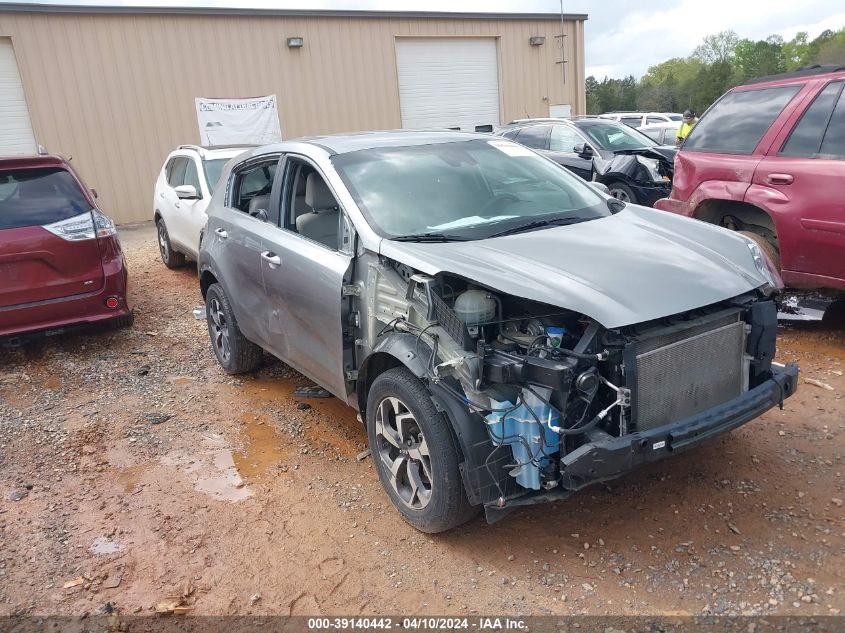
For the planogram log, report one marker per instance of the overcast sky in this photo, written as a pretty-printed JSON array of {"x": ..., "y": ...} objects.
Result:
[{"x": 623, "y": 37}]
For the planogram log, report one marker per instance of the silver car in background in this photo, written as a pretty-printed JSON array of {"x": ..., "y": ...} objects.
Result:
[{"x": 509, "y": 333}]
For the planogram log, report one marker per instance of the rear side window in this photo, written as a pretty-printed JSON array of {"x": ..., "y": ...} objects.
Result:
[
  {"x": 806, "y": 137},
  {"x": 737, "y": 121},
  {"x": 35, "y": 197},
  {"x": 833, "y": 145},
  {"x": 535, "y": 137},
  {"x": 254, "y": 181},
  {"x": 654, "y": 119},
  {"x": 633, "y": 121}
]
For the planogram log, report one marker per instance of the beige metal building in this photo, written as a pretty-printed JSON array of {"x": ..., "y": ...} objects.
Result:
[{"x": 114, "y": 87}]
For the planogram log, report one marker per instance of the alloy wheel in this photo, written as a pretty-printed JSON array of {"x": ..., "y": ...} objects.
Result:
[
  {"x": 403, "y": 451},
  {"x": 163, "y": 245},
  {"x": 219, "y": 329},
  {"x": 620, "y": 195}
]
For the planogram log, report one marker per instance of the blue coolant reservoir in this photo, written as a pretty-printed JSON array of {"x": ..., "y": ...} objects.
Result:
[{"x": 530, "y": 442}]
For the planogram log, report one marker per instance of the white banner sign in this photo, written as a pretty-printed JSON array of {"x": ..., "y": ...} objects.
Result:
[{"x": 236, "y": 121}]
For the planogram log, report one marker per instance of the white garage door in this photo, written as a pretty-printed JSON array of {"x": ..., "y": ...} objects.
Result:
[
  {"x": 16, "y": 135},
  {"x": 452, "y": 83}
]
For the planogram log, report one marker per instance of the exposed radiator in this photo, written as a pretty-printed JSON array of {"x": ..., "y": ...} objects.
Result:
[{"x": 687, "y": 371}]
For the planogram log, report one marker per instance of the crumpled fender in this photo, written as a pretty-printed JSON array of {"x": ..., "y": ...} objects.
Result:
[
  {"x": 482, "y": 482},
  {"x": 625, "y": 165}
]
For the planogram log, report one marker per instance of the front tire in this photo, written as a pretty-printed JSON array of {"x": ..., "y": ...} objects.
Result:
[
  {"x": 415, "y": 454},
  {"x": 235, "y": 353},
  {"x": 623, "y": 192},
  {"x": 171, "y": 258}
]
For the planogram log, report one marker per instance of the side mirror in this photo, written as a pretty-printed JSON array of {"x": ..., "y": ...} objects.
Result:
[
  {"x": 583, "y": 150},
  {"x": 615, "y": 205},
  {"x": 186, "y": 192},
  {"x": 600, "y": 187},
  {"x": 260, "y": 214}
]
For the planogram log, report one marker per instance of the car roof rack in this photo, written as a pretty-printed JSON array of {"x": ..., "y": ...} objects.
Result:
[
  {"x": 806, "y": 71},
  {"x": 539, "y": 118},
  {"x": 208, "y": 148}
]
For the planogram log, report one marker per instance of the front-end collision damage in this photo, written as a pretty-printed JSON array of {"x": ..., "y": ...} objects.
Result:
[
  {"x": 543, "y": 401},
  {"x": 648, "y": 171}
]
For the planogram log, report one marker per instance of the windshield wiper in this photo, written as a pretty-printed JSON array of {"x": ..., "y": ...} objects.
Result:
[
  {"x": 536, "y": 224},
  {"x": 429, "y": 237}
]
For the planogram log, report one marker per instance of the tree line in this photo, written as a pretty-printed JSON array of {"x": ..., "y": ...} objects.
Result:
[{"x": 720, "y": 62}]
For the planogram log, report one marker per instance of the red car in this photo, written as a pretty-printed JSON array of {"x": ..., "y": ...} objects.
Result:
[
  {"x": 768, "y": 159},
  {"x": 60, "y": 260}
]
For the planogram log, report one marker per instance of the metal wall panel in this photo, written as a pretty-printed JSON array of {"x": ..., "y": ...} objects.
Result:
[
  {"x": 16, "y": 135},
  {"x": 115, "y": 90}
]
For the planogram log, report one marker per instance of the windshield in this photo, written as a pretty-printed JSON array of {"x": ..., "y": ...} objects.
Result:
[
  {"x": 654, "y": 133},
  {"x": 213, "y": 169},
  {"x": 614, "y": 137},
  {"x": 471, "y": 189}
]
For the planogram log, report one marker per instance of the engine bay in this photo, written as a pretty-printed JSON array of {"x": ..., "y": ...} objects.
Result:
[{"x": 546, "y": 382}]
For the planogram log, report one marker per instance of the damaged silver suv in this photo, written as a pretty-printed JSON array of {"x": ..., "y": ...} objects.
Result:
[{"x": 509, "y": 333}]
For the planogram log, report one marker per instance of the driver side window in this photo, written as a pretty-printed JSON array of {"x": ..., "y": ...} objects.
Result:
[
  {"x": 251, "y": 187},
  {"x": 310, "y": 206},
  {"x": 564, "y": 139}
]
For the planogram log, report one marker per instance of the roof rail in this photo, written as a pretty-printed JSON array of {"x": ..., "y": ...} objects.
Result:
[
  {"x": 806, "y": 71},
  {"x": 540, "y": 118}
]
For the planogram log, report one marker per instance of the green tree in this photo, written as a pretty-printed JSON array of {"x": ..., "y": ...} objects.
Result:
[
  {"x": 833, "y": 51},
  {"x": 716, "y": 48},
  {"x": 796, "y": 51},
  {"x": 592, "y": 90},
  {"x": 760, "y": 58},
  {"x": 720, "y": 62}
]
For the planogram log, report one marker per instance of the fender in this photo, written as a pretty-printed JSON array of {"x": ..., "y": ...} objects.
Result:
[
  {"x": 485, "y": 481},
  {"x": 727, "y": 190},
  {"x": 787, "y": 226}
]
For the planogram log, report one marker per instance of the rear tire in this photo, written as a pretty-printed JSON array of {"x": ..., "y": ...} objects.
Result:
[
  {"x": 171, "y": 258},
  {"x": 415, "y": 453},
  {"x": 235, "y": 353},
  {"x": 765, "y": 245},
  {"x": 623, "y": 192}
]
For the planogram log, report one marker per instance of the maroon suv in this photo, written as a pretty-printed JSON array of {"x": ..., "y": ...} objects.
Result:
[
  {"x": 768, "y": 159},
  {"x": 60, "y": 260}
]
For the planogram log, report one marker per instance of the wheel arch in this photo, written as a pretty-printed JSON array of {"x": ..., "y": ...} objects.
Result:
[
  {"x": 207, "y": 278},
  {"x": 739, "y": 216},
  {"x": 398, "y": 350},
  {"x": 467, "y": 427}
]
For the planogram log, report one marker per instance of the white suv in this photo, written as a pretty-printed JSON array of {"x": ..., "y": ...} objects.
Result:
[
  {"x": 182, "y": 193},
  {"x": 640, "y": 119}
]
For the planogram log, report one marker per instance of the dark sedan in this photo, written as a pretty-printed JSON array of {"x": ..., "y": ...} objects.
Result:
[{"x": 634, "y": 167}]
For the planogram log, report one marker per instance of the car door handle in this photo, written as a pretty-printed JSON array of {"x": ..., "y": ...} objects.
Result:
[
  {"x": 271, "y": 258},
  {"x": 161, "y": 194},
  {"x": 779, "y": 179},
  {"x": 221, "y": 233}
]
